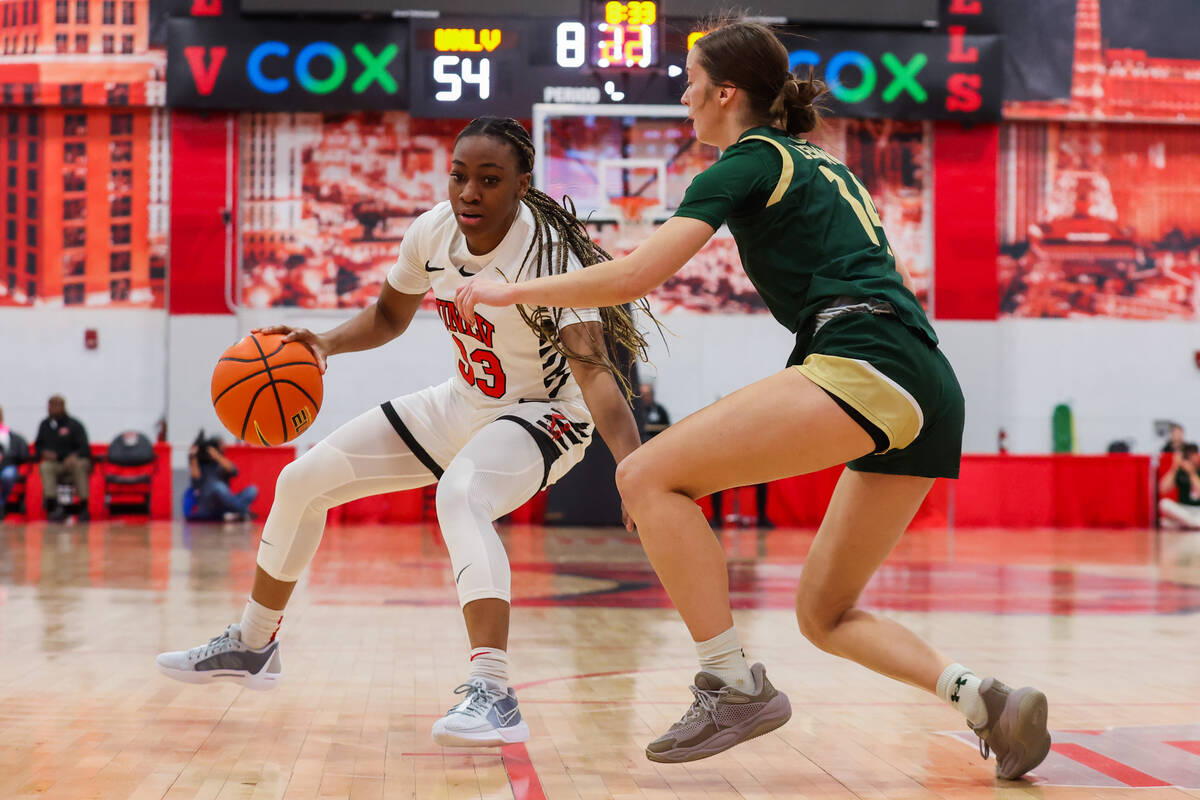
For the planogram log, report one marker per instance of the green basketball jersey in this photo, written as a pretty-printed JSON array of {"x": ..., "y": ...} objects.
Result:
[{"x": 806, "y": 229}]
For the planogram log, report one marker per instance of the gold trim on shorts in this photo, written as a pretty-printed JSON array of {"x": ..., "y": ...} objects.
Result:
[{"x": 884, "y": 403}]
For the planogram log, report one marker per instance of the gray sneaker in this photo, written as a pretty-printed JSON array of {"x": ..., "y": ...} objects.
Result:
[
  {"x": 1015, "y": 729},
  {"x": 224, "y": 657},
  {"x": 486, "y": 717},
  {"x": 720, "y": 717}
]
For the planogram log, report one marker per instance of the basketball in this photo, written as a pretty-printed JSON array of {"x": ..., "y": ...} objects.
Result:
[{"x": 267, "y": 391}]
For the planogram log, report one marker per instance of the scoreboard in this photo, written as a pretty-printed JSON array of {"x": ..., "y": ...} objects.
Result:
[
  {"x": 614, "y": 53},
  {"x": 868, "y": 13},
  {"x": 608, "y": 52}
]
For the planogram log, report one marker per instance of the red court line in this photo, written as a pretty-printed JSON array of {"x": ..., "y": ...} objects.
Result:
[
  {"x": 522, "y": 777},
  {"x": 519, "y": 686},
  {"x": 1191, "y": 747},
  {"x": 1113, "y": 769},
  {"x": 454, "y": 754}
]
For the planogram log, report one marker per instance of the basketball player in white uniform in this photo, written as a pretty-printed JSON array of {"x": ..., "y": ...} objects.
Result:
[{"x": 518, "y": 413}]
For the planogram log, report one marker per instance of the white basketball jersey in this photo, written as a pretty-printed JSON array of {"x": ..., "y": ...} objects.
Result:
[{"x": 500, "y": 360}]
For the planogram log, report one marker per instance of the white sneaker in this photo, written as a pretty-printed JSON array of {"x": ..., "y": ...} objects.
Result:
[
  {"x": 224, "y": 657},
  {"x": 487, "y": 717}
]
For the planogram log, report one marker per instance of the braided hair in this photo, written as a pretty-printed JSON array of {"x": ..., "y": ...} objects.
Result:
[{"x": 559, "y": 233}]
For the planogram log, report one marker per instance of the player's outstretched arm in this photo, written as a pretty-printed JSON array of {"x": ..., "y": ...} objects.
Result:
[
  {"x": 610, "y": 411},
  {"x": 372, "y": 327},
  {"x": 608, "y": 283}
]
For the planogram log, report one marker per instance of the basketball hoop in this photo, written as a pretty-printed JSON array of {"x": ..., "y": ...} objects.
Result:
[
  {"x": 635, "y": 223},
  {"x": 633, "y": 207}
]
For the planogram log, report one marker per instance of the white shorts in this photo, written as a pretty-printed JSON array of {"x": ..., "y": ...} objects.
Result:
[{"x": 436, "y": 423}]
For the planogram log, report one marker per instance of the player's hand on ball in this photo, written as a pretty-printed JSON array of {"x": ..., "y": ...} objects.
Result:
[
  {"x": 481, "y": 292},
  {"x": 313, "y": 341}
]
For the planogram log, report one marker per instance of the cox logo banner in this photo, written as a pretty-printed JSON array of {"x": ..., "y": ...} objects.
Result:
[
  {"x": 945, "y": 75},
  {"x": 287, "y": 66}
]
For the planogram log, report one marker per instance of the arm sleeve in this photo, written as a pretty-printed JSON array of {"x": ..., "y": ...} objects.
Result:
[
  {"x": 732, "y": 184},
  {"x": 408, "y": 274}
]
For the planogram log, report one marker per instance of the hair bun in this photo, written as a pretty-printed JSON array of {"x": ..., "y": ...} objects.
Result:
[{"x": 791, "y": 92}]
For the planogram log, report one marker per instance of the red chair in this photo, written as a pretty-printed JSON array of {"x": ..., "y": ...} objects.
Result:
[
  {"x": 128, "y": 472},
  {"x": 15, "y": 502}
]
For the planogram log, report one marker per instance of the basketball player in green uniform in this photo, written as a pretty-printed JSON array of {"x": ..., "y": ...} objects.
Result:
[{"x": 866, "y": 386}]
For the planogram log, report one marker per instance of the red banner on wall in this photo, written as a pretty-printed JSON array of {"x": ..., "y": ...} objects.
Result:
[
  {"x": 964, "y": 163},
  {"x": 202, "y": 233}
]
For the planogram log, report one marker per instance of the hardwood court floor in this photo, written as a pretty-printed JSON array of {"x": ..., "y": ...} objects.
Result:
[{"x": 1106, "y": 623}]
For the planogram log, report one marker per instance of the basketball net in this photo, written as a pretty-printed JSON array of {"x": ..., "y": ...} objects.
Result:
[{"x": 635, "y": 221}]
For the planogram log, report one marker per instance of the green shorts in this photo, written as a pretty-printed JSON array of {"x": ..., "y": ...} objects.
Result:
[{"x": 898, "y": 386}]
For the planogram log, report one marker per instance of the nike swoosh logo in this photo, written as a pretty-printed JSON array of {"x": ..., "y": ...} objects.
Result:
[
  {"x": 432, "y": 269},
  {"x": 505, "y": 717},
  {"x": 466, "y": 274},
  {"x": 264, "y": 541},
  {"x": 459, "y": 575}
]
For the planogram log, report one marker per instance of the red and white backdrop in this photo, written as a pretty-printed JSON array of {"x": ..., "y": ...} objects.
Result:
[
  {"x": 325, "y": 201},
  {"x": 1092, "y": 211},
  {"x": 85, "y": 156},
  {"x": 1099, "y": 220}
]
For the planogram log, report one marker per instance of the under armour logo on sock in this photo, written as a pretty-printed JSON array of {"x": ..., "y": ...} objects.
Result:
[{"x": 958, "y": 684}]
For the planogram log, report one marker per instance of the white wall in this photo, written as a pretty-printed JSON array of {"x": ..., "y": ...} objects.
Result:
[
  {"x": 118, "y": 386},
  {"x": 354, "y": 381},
  {"x": 1118, "y": 376}
]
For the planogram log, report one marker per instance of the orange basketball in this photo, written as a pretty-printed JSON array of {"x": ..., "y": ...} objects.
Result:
[{"x": 265, "y": 391}]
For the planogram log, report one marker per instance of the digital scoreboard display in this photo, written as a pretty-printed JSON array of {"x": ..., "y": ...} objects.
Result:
[
  {"x": 602, "y": 52},
  {"x": 624, "y": 34},
  {"x": 864, "y": 13},
  {"x": 614, "y": 53}
]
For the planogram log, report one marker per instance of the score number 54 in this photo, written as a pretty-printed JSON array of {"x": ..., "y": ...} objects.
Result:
[{"x": 455, "y": 71}]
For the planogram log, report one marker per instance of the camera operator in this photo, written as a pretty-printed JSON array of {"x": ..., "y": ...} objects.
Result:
[{"x": 211, "y": 472}]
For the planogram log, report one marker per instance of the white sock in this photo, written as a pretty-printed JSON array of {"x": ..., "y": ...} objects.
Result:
[
  {"x": 259, "y": 624},
  {"x": 959, "y": 687},
  {"x": 491, "y": 665},
  {"x": 722, "y": 656}
]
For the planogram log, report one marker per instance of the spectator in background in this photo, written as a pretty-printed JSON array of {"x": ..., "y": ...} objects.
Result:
[
  {"x": 1174, "y": 444},
  {"x": 211, "y": 473},
  {"x": 1184, "y": 478},
  {"x": 62, "y": 449},
  {"x": 654, "y": 417},
  {"x": 14, "y": 451}
]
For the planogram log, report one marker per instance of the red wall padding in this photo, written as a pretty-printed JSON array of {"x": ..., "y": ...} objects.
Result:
[
  {"x": 1002, "y": 491},
  {"x": 160, "y": 486},
  {"x": 199, "y": 155},
  {"x": 965, "y": 237},
  {"x": 1009, "y": 491},
  {"x": 259, "y": 466}
]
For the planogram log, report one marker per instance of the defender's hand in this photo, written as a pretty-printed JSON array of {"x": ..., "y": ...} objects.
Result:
[{"x": 481, "y": 292}]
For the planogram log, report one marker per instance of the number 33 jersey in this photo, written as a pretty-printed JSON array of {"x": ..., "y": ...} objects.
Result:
[{"x": 499, "y": 359}]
